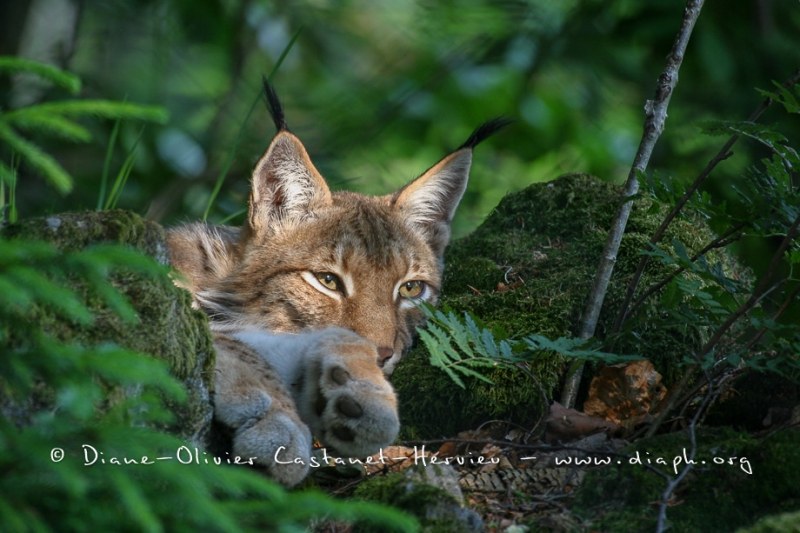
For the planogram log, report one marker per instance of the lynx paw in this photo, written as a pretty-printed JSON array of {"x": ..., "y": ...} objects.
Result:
[
  {"x": 277, "y": 442},
  {"x": 347, "y": 401}
]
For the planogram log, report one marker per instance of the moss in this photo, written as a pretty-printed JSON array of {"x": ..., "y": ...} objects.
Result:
[
  {"x": 437, "y": 510},
  {"x": 527, "y": 269},
  {"x": 781, "y": 523},
  {"x": 167, "y": 327},
  {"x": 711, "y": 498}
]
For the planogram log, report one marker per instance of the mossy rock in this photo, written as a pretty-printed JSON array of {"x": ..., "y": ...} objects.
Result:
[
  {"x": 528, "y": 269},
  {"x": 712, "y": 497},
  {"x": 430, "y": 493},
  {"x": 168, "y": 328}
]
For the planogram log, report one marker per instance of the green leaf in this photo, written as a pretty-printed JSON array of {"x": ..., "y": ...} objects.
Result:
[
  {"x": 123, "y": 174},
  {"x": 783, "y": 96},
  {"x": 134, "y": 501},
  {"x": 31, "y": 119}
]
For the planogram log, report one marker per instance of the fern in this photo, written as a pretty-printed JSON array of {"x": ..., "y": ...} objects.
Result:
[
  {"x": 575, "y": 348},
  {"x": 461, "y": 347}
]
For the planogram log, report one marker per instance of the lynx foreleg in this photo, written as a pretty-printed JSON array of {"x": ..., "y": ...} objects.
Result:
[{"x": 250, "y": 398}]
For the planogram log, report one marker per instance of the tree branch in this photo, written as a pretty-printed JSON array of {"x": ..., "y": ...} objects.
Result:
[
  {"x": 723, "y": 154},
  {"x": 655, "y": 117}
]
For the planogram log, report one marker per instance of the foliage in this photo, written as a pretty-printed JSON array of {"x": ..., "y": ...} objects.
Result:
[
  {"x": 58, "y": 397},
  {"x": 747, "y": 479},
  {"x": 475, "y": 347},
  {"x": 54, "y": 119},
  {"x": 710, "y": 293},
  {"x": 460, "y": 346}
]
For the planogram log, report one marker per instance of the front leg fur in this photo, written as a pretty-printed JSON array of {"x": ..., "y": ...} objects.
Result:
[
  {"x": 340, "y": 391},
  {"x": 250, "y": 398}
]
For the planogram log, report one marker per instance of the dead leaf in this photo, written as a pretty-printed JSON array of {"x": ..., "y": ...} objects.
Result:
[
  {"x": 626, "y": 393},
  {"x": 565, "y": 424}
]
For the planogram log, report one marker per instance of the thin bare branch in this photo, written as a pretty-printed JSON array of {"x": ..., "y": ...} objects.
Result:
[
  {"x": 672, "y": 484},
  {"x": 655, "y": 117},
  {"x": 724, "y": 153}
]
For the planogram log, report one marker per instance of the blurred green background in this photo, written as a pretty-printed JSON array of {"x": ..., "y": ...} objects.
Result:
[{"x": 380, "y": 90}]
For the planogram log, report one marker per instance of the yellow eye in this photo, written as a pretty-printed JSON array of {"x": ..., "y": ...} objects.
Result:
[
  {"x": 329, "y": 281},
  {"x": 412, "y": 289}
]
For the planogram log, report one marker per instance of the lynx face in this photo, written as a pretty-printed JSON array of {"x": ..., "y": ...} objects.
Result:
[
  {"x": 309, "y": 258},
  {"x": 355, "y": 265}
]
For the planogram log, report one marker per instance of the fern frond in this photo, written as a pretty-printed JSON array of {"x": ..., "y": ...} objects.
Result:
[
  {"x": 460, "y": 346},
  {"x": 65, "y": 80},
  {"x": 438, "y": 358},
  {"x": 36, "y": 158},
  {"x": 575, "y": 348}
]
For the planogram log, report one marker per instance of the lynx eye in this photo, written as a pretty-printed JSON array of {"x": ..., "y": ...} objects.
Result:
[
  {"x": 412, "y": 289},
  {"x": 329, "y": 281}
]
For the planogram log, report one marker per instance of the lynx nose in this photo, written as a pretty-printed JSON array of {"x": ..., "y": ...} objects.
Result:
[{"x": 384, "y": 354}]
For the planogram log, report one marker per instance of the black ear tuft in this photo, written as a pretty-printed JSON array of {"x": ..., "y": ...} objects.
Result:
[
  {"x": 485, "y": 130},
  {"x": 274, "y": 105}
]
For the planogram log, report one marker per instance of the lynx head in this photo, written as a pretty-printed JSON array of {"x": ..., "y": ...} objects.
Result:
[{"x": 308, "y": 258}]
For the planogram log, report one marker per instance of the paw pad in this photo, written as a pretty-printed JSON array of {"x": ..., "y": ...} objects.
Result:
[
  {"x": 349, "y": 407},
  {"x": 339, "y": 375}
]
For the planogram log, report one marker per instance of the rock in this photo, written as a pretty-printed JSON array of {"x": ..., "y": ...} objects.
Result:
[
  {"x": 527, "y": 269},
  {"x": 429, "y": 492},
  {"x": 168, "y": 328}
]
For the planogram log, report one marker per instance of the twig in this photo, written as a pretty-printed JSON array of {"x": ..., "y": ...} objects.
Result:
[
  {"x": 655, "y": 117},
  {"x": 723, "y": 154},
  {"x": 723, "y": 240},
  {"x": 673, "y": 483}
]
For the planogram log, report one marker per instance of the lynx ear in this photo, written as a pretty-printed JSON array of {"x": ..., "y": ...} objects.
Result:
[
  {"x": 285, "y": 184},
  {"x": 429, "y": 202}
]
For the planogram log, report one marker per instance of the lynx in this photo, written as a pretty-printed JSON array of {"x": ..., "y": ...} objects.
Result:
[{"x": 315, "y": 299}]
